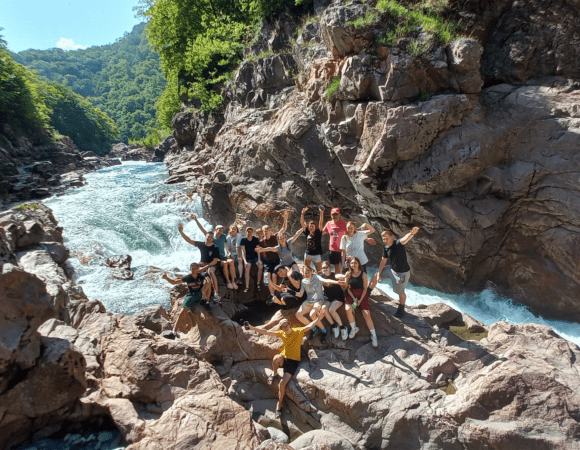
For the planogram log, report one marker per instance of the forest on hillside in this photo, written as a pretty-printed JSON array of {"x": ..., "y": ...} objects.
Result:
[{"x": 122, "y": 79}]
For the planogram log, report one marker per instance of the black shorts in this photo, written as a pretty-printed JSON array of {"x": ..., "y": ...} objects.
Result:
[
  {"x": 291, "y": 300},
  {"x": 290, "y": 366},
  {"x": 270, "y": 265},
  {"x": 335, "y": 257}
]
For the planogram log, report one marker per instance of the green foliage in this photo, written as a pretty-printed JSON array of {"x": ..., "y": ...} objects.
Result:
[
  {"x": 201, "y": 42},
  {"x": 168, "y": 104},
  {"x": 467, "y": 335},
  {"x": 333, "y": 88},
  {"x": 2, "y": 40},
  {"x": 416, "y": 48},
  {"x": 20, "y": 102},
  {"x": 370, "y": 18},
  {"x": 123, "y": 79},
  {"x": 421, "y": 16},
  {"x": 152, "y": 139},
  {"x": 26, "y": 206},
  {"x": 75, "y": 117},
  {"x": 449, "y": 389},
  {"x": 424, "y": 96}
]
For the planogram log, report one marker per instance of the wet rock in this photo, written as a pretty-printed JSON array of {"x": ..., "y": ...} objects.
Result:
[{"x": 121, "y": 267}]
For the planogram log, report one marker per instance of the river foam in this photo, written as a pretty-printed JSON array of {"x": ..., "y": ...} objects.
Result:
[{"x": 128, "y": 209}]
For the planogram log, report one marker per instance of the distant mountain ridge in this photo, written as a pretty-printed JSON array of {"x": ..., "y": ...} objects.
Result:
[{"x": 122, "y": 79}]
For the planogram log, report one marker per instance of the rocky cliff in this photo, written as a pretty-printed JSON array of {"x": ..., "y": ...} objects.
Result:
[
  {"x": 65, "y": 360},
  {"x": 475, "y": 141}
]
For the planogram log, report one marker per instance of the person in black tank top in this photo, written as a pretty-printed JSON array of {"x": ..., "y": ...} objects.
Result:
[
  {"x": 357, "y": 296},
  {"x": 334, "y": 293}
]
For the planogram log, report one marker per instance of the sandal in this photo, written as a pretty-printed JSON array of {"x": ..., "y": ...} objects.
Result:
[
  {"x": 278, "y": 413},
  {"x": 270, "y": 379},
  {"x": 246, "y": 290}
]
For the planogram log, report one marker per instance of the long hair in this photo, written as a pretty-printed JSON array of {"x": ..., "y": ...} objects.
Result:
[
  {"x": 349, "y": 273},
  {"x": 349, "y": 223}
]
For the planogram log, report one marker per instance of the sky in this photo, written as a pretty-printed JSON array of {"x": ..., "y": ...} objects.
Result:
[{"x": 66, "y": 24}]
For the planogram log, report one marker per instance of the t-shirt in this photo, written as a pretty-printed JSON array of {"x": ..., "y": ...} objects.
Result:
[
  {"x": 291, "y": 343},
  {"x": 334, "y": 291},
  {"x": 313, "y": 242},
  {"x": 298, "y": 277},
  {"x": 313, "y": 288},
  {"x": 355, "y": 246},
  {"x": 220, "y": 243},
  {"x": 233, "y": 242},
  {"x": 336, "y": 231},
  {"x": 272, "y": 241},
  {"x": 250, "y": 247},
  {"x": 398, "y": 256},
  {"x": 285, "y": 254},
  {"x": 208, "y": 252},
  {"x": 194, "y": 284}
]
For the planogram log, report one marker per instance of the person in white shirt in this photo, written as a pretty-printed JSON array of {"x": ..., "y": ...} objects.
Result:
[{"x": 353, "y": 243}]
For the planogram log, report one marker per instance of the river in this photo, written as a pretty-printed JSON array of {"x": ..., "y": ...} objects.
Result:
[{"x": 128, "y": 209}]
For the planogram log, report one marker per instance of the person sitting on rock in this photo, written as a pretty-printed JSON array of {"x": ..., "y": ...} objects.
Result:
[
  {"x": 289, "y": 357},
  {"x": 357, "y": 297},
  {"x": 219, "y": 240},
  {"x": 250, "y": 256},
  {"x": 398, "y": 269},
  {"x": 284, "y": 249},
  {"x": 353, "y": 243},
  {"x": 291, "y": 293},
  {"x": 313, "y": 233},
  {"x": 209, "y": 256},
  {"x": 271, "y": 259},
  {"x": 315, "y": 306},
  {"x": 233, "y": 240},
  {"x": 199, "y": 290},
  {"x": 336, "y": 229},
  {"x": 334, "y": 292}
]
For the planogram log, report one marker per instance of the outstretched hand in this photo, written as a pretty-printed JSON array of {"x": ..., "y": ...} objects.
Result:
[
  {"x": 371, "y": 241},
  {"x": 304, "y": 209},
  {"x": 415, "y": 230},
  {"x": 285, "y": 214},
  {"x": 180, "y": 226},
  {"x": 194, "y": 216},
  {"x": 164, "y": 276}
]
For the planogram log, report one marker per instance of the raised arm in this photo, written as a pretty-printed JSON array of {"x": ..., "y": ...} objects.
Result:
[
  {"x": 321, "y": 220},
  {"x": 184, "y": 236},
  {"x": 260, "y": 331},
  {"x": 367, "y": 228},
  {"x": 409, "y": 235},
  {"x": 200, "y": 226},
  {"x": 298, "y": 233},
  {"x": 302, "y": 221},
  {"x": 285, "y": 215},
  {"x": 171, "y": 280},
  {"x": 295, "y": 283},
  {"x": 381, "y": 267}
]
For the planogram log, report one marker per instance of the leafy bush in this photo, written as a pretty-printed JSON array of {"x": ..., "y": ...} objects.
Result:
[
  {"x": 152, "y": 139},
  {"x": 421, "y": 16},
  {"x": 416, "y": 48},
  {"x": 333, "y": 88}
]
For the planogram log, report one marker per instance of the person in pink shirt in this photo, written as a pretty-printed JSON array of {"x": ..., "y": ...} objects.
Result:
[{"x": 336, "y": 229}]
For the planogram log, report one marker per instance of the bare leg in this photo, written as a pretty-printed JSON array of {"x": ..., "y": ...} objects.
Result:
[
  {"x": 213, "y": 279},
  {"x": 349, "y": 313},
  {"x": 307, "y": 262},
  {"x": 302, "y": 311},
  {"x": 282, "y": 390},
  {"x": 337, "y": 268},
  {"x": 260, "y": 272},
  {"x": 402, "y": 298},
  {"x": 271, "y": 278},
  {"x": 277, "y": 363},
  {"x": 226, "y": 272},
  {"x": 318, "y": 266},
  {"x": 240, "y": 266},
  {"x": 248, "y": 268},
  {"x": 368, "y": 319},
  {"x": 374, "y": 281},
  {"x": 333, "y": 311}
]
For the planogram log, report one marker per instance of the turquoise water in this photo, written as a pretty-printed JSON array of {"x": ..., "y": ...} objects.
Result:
[{"x": 128, "y": 209}]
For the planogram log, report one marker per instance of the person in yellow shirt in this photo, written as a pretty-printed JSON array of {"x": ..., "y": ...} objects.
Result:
[{"x": 289, "y": 357}]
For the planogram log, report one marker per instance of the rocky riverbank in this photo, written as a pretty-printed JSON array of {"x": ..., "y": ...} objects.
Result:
[
  {"x": 64, "y": 359},
  {"x": 475, "y": 141}
]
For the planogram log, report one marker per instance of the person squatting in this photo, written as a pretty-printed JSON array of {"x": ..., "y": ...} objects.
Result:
[{"x": 317, "y": 291}]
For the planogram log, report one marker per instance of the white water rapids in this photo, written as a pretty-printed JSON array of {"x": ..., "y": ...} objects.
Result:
[{"x": 128, "y": 209}]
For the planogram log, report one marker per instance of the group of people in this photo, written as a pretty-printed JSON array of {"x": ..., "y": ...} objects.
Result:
[{"x": 312, "y": 287}]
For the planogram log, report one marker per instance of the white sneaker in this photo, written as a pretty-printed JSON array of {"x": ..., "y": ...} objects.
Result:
[
  {"x": 216, "y": 297},
  {"x": 344, "y": 333},
  {"x": 336, "y": 331},
  {"x": 374, "y": 340},
  {"x": 353, "y": 332}
]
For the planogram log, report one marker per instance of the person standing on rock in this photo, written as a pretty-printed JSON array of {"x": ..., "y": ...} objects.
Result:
[
  {"x": 315, "y": 306},
  {"x": 219, "y": 240},
  {"x": 336, "y": 229},
  {"x": 271, "y": 259},
  {"x": 289, "y": 357},
  {"x": 250, "y": 256},
  {"x": 233, "y": 240},
  {"x": 199, "y": 290},
  {"x": 284, "y": 249},
  {"x": 334, "y": 293},
  {"x": 397, "y": 269},
  {"x": 357, "y": 297},
  {"x": 353, "y": 243},
  {"x": 313, "y": 234},
  {"x": 209, "y": 256}
]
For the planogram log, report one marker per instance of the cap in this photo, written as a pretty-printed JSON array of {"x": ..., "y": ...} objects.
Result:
[
  {"x": 218, "y": 227},
  {"x": 335, "y": 211}
]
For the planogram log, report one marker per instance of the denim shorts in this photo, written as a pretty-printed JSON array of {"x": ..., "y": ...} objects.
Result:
[
  {"x": 252, "y": 260},
  {"x": 313, "y": 258}
]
